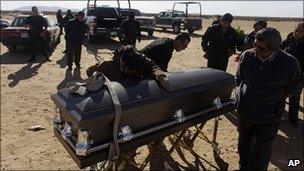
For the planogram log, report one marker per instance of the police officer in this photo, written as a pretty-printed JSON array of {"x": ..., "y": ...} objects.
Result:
[
  {"x": 75, "y": 33},
  {"x": 131, "y": 30},
  {"x": 69, "y": 16},
  {"x": 257, "y": 26},
  {"x": 59, "y": 19},
  {"x": 160, "y": 51},
  {"x": 219, "y": 43},
  {"x": 294, "y": 45},
  {"x": 37, "y": 30}
]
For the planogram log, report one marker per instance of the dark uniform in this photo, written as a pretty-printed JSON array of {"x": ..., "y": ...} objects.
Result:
[
  {"x": 263, "y": 86},
  {"x": 112, "y": 69},
  {"x": 69, "y": 16},
  {"x": 131, "y": 31},
  {"x": 219, "y": 46},
  {"x": 160, "y": 51},
  {"x": 295, "y": 48},
  {"x": 59, "y": 20},
  {"x": 36, "y": 24},
  {"x": 75, "y": 33}
]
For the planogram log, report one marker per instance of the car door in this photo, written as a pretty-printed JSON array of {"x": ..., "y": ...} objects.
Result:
[
  {"x": 168, "y": 20},
  {"x": 160, "y": 19}
]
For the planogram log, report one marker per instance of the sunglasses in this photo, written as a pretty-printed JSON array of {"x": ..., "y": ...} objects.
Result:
[{"x": 260, "y": 47}]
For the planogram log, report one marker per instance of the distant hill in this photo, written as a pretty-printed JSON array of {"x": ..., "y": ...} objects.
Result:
[{"x": 44, "y": 8}]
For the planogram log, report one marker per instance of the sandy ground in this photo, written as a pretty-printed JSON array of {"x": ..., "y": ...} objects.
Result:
[{"x": 25, "y": 101}]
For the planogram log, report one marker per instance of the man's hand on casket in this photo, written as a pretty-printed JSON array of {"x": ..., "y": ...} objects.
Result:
[{"x": 164, "y": 81}]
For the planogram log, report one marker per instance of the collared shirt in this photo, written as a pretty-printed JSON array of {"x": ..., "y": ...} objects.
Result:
[
  {"x": 160, "y": 51},
  {"x": 270, "y": 57},
  {"x": 264, "y": 86}
]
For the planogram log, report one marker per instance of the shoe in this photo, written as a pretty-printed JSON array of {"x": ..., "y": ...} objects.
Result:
[{"x": 32, "y": 59}]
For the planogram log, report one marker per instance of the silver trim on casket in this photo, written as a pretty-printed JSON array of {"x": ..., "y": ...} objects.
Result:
[{"x": 87, "y": 149}]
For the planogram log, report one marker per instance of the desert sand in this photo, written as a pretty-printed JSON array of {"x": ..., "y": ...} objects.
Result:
[{"x": 25, "y": 101}]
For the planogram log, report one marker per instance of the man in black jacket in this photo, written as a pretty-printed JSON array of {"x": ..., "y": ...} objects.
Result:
[
  {"x": 219, "y": 43},
  {"x": 37, "y": 32},
  {"x": 59, "y": 20},
  {"x": 294, "y": 45},
  {"x": 266, "y": 75},
  {"x": 131, "y": 30},
  {"x": 75, "y": 33},
  {"x": 160, "y": 51},
  {"x": 69, "y": 16}
]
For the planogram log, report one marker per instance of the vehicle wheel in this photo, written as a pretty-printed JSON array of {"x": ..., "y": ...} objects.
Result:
[
  {"x": 190, "y": 30},
  {"x": 176, "y": 28},
  {"x": 150, "y": 33},
  {"x": 12, "y": 48}
]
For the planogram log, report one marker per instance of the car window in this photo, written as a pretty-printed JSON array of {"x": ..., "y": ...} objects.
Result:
[
  {"x": 19, "y": 22},
  {"x": 162, "y": 14},
  {"x": 167, "y": 14},
  {"x": 106, "y": 12}
]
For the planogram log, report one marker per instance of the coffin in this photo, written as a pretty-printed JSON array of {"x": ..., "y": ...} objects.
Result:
[{"x": 84, "y": 124}]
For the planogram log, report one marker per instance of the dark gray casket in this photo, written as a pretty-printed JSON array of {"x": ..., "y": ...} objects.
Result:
[{"x": 84, "y": 124}]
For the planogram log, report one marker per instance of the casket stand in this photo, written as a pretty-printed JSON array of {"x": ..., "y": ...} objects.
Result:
[{"x": 149, "y": 112}]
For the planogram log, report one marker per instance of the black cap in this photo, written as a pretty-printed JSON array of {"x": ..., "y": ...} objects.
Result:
[{"x": 227, "y": 17}]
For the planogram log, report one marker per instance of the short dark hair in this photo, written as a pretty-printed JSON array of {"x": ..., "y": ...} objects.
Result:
[
  {"x": 271, "y": 37},
  {"x": 227, "y": 17},
  {"x": 183, "y": 37},
  {"x": 132, "y": 58},
  {"x": 261, "y": 23}
]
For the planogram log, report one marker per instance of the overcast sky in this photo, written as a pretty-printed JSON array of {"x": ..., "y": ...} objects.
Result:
[{"x": 243, "y": 8}]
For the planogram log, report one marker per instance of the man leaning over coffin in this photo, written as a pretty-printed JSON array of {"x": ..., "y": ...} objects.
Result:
[{"x": 128, "y": 63}]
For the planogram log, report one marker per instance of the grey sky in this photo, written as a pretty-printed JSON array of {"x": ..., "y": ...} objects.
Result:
[{"x": 243, "y": 8}]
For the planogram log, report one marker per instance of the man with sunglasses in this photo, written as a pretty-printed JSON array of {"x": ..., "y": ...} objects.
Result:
[
  {"x": 294, "y": 45},
  {"x": 219, "y": 43},
  {"x": 266, "y": 75}
]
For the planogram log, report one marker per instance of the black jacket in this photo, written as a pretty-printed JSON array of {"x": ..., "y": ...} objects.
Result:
[
  {"x": 75, "y": 31},
  {"x": 36, "y": 23},
  {"x": 160, "y": 51},
  {"x": 131, "y": 28},
  {"x": 67, "y": 18},
  {"x": 217, "y": 44},
  {"x": 59, "y": 18},
  {"x": 264, "y": 86},
  {"x": 295, "y": 48}
]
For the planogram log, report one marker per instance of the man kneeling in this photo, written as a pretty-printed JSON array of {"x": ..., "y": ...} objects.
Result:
[{"x": 129, "y": 63}]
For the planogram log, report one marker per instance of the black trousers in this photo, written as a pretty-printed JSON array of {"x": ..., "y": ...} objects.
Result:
[
  {"x": 74, "y": 52},
  {"x": 36, "y": 42},
  {"x": 255, "y": 144},
  {"x": 214, "y": 62},
  {"x": 294, "y": 106}
]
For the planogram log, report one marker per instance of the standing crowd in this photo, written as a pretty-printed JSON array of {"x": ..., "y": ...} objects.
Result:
[{"x": 270, "y": 70}]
